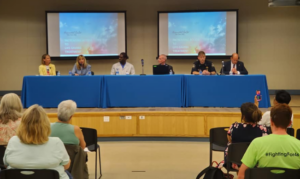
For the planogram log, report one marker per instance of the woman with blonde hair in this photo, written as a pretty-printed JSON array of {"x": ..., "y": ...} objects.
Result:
[
  {"x": 10, "y": 116},
  {"x": 32, "y": 148},
  {"x": 46, "y": 68},
  {"x": 81, "y": 67}
]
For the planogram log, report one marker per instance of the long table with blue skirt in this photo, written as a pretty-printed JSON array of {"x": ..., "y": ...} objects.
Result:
[
  {"x": 49, "y": 91},
  {"x": 145, "y": 91},
  {"x": 225, "y": 90}
]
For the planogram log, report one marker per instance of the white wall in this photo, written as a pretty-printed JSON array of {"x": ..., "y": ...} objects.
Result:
[{"x": 269, "y": 38}]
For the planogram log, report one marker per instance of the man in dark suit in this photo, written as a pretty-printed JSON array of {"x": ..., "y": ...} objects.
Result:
[
  {"x": 234, "y": 66},
  {"x": 162, "y": 61}
]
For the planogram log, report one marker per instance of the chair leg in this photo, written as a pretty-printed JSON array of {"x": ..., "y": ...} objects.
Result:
[
  {"x": 210, "y": 157},
  {"x": 100, "y": 166},
  {"x": 96, "y": 166}
]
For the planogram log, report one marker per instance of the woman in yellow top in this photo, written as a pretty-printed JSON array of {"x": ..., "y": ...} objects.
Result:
[{"x": 46, "y": 68}]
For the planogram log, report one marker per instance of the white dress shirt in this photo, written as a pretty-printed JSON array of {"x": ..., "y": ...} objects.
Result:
[
  {"x": 232, "y": 68},
  {"x": 127, "y": 69}
]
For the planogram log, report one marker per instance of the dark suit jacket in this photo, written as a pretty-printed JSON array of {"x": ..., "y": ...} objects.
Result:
[{"x": 239, "y": 67}]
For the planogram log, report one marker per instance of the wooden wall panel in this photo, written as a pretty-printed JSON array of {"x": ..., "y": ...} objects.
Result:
[{"x": 172, "y": 126}]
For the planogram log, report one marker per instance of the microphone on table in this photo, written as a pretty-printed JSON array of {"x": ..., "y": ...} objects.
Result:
[
  {"x": 222, "y": 71},
  {"x": 142, "y": 61}
]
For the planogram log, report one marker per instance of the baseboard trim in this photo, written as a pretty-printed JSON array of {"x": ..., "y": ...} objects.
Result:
[{"x": 271, "y": 92}]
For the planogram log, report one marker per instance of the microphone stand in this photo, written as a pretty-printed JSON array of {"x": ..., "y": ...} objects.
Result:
[{"x": 142, "y": 67}]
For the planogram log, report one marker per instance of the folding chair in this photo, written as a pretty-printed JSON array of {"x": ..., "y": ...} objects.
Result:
[
  {"x": 90, "y": 137},
  {"x": 218, "y": 140},
  {"x": 29, "y": 174},
  {"x": 298, "y": 134},
  {"x": 290, "y": 131},
  {"x": 236, "y": 152},
  {"x": 2, "y": 151}
]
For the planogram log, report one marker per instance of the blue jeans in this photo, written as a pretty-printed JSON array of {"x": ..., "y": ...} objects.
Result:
[{"x": 69, "y": 174}]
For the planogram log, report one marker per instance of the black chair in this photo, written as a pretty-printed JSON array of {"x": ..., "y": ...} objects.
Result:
[
  {"x": 2, "y": 151},
  {"x": 90, "y": 137},
  {"x": 290, "y": 131},
  {"x": 298, "y": 134},
  {"x": 217, "y": 140},
  {"x": 236, "y": 152},
  {"x": 92, "y": 73},
  {"x": 264, "y": 173},
  {"x": 28, "y": 174}
]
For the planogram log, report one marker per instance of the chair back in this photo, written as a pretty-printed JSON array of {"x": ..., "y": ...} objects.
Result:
[
  {"x": 29, "y": 174},
  {"x": 290, "y": 131},
  {"x": 90, "y": 138},
  {"x": 2, "y": 152},
  {"x": 298, "y": 134},
  {"x": 218, "y": 138},
  {"x": 264, "y": 173},
  {"x": 236, "y": 152},
  {"x": 92, "y": 73}
]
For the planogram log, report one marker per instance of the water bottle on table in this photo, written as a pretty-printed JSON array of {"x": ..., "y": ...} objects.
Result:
[
  {"x": 117, "y": 71},
  {"x": 58, "y": 73},
  {"x": 200, "y": 72},
  {"x": 70, "y": 73},
  {"x": 89, "y": 73},
  {"x": 171, "y": 72}
]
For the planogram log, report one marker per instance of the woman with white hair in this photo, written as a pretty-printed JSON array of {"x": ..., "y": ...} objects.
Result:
[
  {"x": 68, "y": 133},
  {"x": 10, "y": 116}
]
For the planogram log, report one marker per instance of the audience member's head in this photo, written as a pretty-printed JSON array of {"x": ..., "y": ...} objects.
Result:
[
  {"x": 10, "y": 108},
  {"x": 66, "y": 110},
  {"x": 281, "y": 115},
  {"x": 162, "y": 59},
  {"x": 250, "y": 113},
  {"x": 46, "y": 60},
  {"x": 282, "y": 97},
  {"x": 35, "y": 126},
  {"x": 201, "y": 57}
]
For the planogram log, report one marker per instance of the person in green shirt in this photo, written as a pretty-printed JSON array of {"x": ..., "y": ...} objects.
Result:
[{"x": 276, "y": 150}]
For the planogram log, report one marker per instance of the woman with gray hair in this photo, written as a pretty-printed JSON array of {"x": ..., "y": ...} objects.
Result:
[{"x": 68, "y": 133}]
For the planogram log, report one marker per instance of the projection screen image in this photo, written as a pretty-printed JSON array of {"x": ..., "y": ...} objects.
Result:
[
  {"x": 187, "y": 33},
  {"x": 89, "y": 34}
]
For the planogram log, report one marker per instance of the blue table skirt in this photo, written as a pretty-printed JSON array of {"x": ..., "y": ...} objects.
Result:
[
  {"x": 49, "y": 91},
  {"x": 145, "y": 91},
  {"x": 225, "y": 91}
]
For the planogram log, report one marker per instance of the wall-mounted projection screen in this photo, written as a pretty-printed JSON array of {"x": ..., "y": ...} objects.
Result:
[
  {"x": 92, "y": 34},
  {"x": 184, "y": 34}
]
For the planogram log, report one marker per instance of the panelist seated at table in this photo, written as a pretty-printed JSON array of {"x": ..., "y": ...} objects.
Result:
[
  {"x": 81, "y": 67},
  {"x": 46, "y": 68},
  {"x": 162, "y": 61},
  {"x": 122, "y": 67},
  {"x": 234, "y": 66},
  {"x": 206, "y": 67}
]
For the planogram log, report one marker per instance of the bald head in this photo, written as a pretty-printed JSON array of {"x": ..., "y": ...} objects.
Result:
[
  {"x": 162, "y": 59},
  {"x": 234, "y": 58}
]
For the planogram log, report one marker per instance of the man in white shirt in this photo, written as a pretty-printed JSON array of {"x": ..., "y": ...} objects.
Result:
[
  {"x": 122, "y": 67},
  {"x": 234, "y": 66},
  {"x": 281, "y": 97}
]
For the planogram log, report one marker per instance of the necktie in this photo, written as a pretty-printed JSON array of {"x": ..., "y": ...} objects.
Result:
[{"x": 233, "y": 65}]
